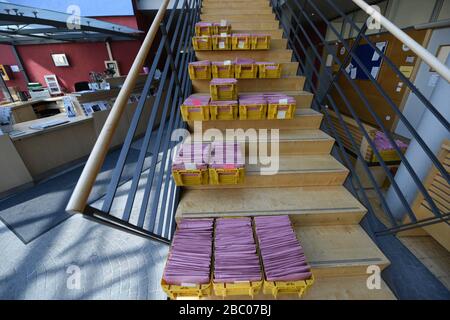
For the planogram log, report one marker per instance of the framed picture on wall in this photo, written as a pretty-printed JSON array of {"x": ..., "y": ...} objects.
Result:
[
  {"x": 113, "y": 65},
  {"x": 52, "y": 84},
  {"x": 60, "y": 60},
  {"x": 442, "y": 54}
]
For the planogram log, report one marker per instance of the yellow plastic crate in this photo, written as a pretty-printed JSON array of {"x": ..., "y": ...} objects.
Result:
[
  {"x": 226, "y": 176},
  {"x": 237, "y": 289},
  {"x": 202, "y": 43},
  {"x": 260, "y": 42},
  {"x": 190, "y": 177},
  {"x": 281, "y": 111},
  {"x": 221, "y": 29},
  {"x": 252, "y": 111},
  {"x": 388, "y": 155},
  {"x": 221, "y": 42},
  {"x": 241, "y": 41},
  {"x": 246, "y": 71},
  {"x": 175, "y": 292},
  {"x": 223, "y": 112},
  {"x": 200, "y": 71},
  {"x": 204, "y": 29},
  {"x": 223, "y": 91},
  {"x": 222, "y": 70},
  {"x": 269, "y": 70},
  {"x": 287, "y": 287},
  {"x": 195, "y": 113}
]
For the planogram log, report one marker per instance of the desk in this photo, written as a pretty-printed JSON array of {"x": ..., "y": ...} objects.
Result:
[{"x": 23, "y": 111}]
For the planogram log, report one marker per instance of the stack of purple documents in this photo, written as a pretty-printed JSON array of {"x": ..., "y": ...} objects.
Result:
[
  {"x": 282, "y": 255},
  {"x": 189, "y": 260},
  {"x": 195, "y": 156},
  {"x": 226, "y": 155},
  {"x": 235, "y": 255}
]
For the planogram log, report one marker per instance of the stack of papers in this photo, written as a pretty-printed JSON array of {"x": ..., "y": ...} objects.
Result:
[
  {"x": 189, "y": 261},
  {"x": 225, "y": 155},
  {"x": 281, "y": 252},
  {"x": 194, "y": 156},
  {"x": 235, "y": 255}
]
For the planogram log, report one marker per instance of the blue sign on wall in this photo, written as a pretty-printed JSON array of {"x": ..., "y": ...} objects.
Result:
[
  {"x": 89, "y": 8},
  {"x": 369, "y": 58}
]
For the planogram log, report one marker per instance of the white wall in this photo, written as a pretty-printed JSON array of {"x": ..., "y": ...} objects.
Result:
[{"x": 414, "y": 109}]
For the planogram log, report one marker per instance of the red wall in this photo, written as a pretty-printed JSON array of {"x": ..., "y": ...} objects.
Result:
[
  {"x": 83, "y": 58},
  {"x": 7, "y": 58}
]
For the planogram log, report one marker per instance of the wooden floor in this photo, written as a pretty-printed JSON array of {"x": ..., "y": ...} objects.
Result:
[{"x": 309, "y": 185}]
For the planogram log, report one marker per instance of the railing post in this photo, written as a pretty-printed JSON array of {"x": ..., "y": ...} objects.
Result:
[{"x": 80, "y": 195}]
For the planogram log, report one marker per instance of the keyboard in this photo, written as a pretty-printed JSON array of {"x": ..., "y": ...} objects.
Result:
[{"x": 48, "y": 124}]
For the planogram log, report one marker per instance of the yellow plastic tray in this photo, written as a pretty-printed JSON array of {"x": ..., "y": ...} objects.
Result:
[
  {"x": 269, "y": 73},
  {"x": 223, "y": 112},
  {"x": 288, "y": 287},
  {"x": 204, "y": 30},
  {"x": 202, "y": 72},
  {"x": 221, "y": 42},
  {"x": 224, "y": 92},
  {"x": 225, "y": 71},
  {"x": 246, "y": 71},
  {"x": 252, "y": 111},
  {"x": 218, "y": 29},
  {"x": 241, "y": 42},
  {"x": 226, "y": 176},
  {"x": 202, "y": 43},
  {"x": 190, "y": 177},
  {"x": 281, "y": 111},
  {"x": 195, "y": 113},
  {"x": 237, "y": 289},
  {"x": 174, "y": 291},
  {"x": 260, "y": 42}
]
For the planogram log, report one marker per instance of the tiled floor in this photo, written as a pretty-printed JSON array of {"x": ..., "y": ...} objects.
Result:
[
  {"x": 112, "y": 264},
  {"x": 435, "y": 257}
]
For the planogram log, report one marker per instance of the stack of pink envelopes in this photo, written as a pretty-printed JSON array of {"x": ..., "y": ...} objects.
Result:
[
  {"x": 281, "y": 252},
  {"x": 235, "y": 255},
  {"x": 194, "y": 156},
  {"x": 189, "y": 260},
  {"x": 226, "y": 155}
]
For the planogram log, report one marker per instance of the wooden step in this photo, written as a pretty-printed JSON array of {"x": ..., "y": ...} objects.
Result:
[
  {"x": 255, "y": 25},
  {"x": 293, "y": 83},
  {"x": 234, "y": 11},
  {"x": 329, "y": 288},
  {"x": 305, "y": 205},
  {"x": 291, "y": 142},
  {"x": 339, "y": 250},
  {"x": 289, "y": 171},
  {"x": 235, "y": 5},
  {"x": 273, "y": 55},
  {"x": 231, "y": 18},
  {"x": 305, "y": 119},
  {"x": 275, "y": 34}
]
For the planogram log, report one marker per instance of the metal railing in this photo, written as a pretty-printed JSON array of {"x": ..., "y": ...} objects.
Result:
[
  {"x": 300, "y": 33},
  {"x": 152, "y": 216}
]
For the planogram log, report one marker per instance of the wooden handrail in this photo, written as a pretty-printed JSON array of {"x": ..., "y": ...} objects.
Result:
[{"x": 80, "y": 195}]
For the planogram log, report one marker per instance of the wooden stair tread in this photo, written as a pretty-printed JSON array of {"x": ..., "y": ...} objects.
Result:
[
  {"x": 291, "y": 171},
  {"x": 238, "y": 17},
  {"x": 273, "y": 55},
  {"x": 338, "y": 250},
  {"x": 329, "y": 288},
  {"x": 301, "y": 163},
  {"x": 306, "y": 205},
  {"x": 304, "y": 119},
  {"x": 227, "y": 11},
  {"x": 291, "y": 83}
]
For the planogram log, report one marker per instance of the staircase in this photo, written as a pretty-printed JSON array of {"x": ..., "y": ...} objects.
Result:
[{"x": 309, "y": 183}]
